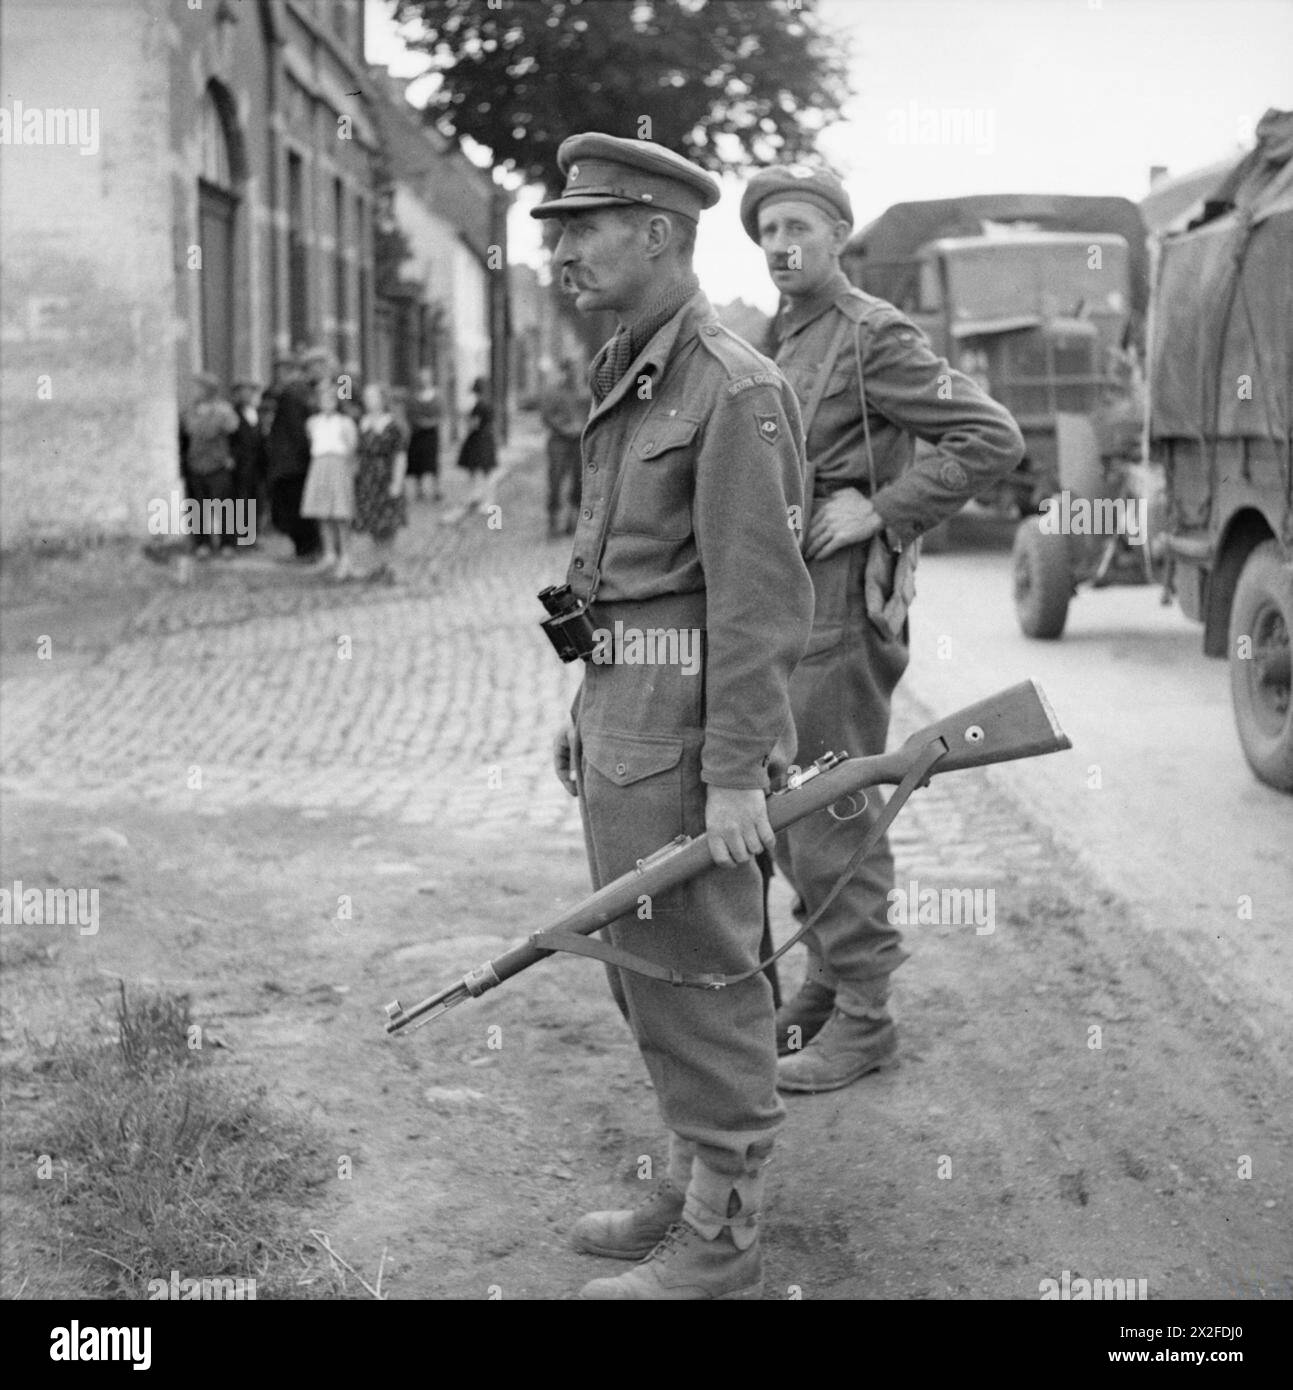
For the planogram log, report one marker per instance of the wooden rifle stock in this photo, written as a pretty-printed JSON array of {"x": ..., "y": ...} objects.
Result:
[{"x": 1015, "y": 723}]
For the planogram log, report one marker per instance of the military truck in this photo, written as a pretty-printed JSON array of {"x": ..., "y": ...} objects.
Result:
[
  {"x": 1220, "y": 422},
  {"x": 1036, "y": 297}
]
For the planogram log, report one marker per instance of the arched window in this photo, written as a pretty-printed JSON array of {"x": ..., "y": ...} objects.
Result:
[
  {"x": 217, "y": 164},
  {"x": 220, "y": 171}
]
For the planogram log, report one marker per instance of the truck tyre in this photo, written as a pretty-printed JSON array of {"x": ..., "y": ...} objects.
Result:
[
  {"x": 1043, "y": 580},
  {"x": 1261, "y": 620}
]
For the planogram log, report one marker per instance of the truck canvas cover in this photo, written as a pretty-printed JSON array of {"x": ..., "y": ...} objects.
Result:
[
  {"x": 883, "y": 250},
  {"x": 1221, "y": 346}
]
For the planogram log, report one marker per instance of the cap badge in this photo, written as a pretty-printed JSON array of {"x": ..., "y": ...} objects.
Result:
[{"x": 800, "y": 171}]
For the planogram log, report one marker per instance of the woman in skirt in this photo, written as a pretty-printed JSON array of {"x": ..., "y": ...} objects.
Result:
[
  {"x": 379, "y": 484},
  {"x": 329, "y": 494},
  {"x": 424, "y": 437},
  {"x": 478, "y": 455}
]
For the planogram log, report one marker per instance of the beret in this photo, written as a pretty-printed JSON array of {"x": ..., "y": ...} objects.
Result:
[
  {"x": 793, "y": 183},
  {"x": 607, "y": 171}
]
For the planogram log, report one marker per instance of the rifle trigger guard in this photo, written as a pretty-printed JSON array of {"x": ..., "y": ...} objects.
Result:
[{"x": 853, "y": 800}]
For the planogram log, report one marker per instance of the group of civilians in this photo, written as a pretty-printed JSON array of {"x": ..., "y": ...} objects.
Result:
[{"x": 322, "y": 464}]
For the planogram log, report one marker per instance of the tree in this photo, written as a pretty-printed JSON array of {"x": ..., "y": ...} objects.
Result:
[{"x": 518, "y": 76}]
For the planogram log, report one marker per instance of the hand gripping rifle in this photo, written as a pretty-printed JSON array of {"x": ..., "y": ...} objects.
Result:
[{"x": 1015, "y": 723}]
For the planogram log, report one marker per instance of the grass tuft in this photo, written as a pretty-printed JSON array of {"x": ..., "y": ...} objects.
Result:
[{"x": 171, "y": 1163}]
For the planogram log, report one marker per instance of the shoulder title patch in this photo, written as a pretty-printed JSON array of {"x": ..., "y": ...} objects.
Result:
[{"x": 734, "y": 388}]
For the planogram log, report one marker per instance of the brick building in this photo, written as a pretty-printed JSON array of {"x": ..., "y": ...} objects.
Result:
[
  {"x": 444, "y": 294},
  {"x": 229, "y": 210}
]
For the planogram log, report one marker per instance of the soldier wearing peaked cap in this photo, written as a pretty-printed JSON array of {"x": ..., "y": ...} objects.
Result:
[
  {"x": 692, "y": 477},
  {"x": 870, "y": 386}
]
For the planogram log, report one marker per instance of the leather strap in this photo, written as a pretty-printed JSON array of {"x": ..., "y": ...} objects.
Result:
[
  {"x": 866, "y": 418},
  {"x": 810, "y": 414},
  {"x": 603, "y": 535},
  {"x": 574, "y": 944}
]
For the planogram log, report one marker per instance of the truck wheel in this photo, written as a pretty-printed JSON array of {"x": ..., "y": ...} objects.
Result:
[
  {"x": 1043, "y": 581},
  {"x": 1261, "y": 619}
]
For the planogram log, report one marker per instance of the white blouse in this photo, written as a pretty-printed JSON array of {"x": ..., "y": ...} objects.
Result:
[{"x": 332, "y": 434}]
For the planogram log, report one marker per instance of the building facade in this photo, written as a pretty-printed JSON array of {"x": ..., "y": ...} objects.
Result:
[
  {"x": 444, "y": 292},
  {"x": 224, "y": 208},
  {"x": 276, "y": 175}
]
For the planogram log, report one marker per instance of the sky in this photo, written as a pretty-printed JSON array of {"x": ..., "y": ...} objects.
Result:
[{"x": 1003, "y": 96}]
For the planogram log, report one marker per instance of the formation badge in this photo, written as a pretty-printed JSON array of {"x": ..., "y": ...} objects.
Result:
[{"x": 769, "y": 428}]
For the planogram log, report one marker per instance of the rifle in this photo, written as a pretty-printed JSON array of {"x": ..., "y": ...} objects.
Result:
[{"x": 1015, "y": 723}]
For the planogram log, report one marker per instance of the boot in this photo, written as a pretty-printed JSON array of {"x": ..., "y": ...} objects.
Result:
[
  {"x": 808, "y": 1011},
  {"x": 859, "y": 1038},
  {"x": 633, "y": 1234},
  {"x": 713, "y": 1252}
]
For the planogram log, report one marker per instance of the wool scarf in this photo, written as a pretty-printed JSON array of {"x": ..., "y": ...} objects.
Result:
[{"x": 616, "y": 356}]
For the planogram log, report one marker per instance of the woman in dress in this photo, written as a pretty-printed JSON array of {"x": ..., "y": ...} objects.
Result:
[
  {"x": 424, "y": 436},
  {"x": 380, "y": 509},
  {"x": 478, "y": 455},
  {"x": 329, "y": 494}
]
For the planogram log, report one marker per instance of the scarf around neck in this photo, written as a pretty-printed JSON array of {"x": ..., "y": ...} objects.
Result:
[{"x": 616, "y": 356}]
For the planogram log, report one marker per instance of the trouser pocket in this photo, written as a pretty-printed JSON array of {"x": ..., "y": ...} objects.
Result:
[{"x": 640, "y": 792}]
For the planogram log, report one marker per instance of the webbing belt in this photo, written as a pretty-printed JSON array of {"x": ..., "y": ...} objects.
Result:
[{"x": 576, "y": 945}]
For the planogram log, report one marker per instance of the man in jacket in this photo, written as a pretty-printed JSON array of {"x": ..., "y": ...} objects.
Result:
[
  {"x": 692, "y": 481},
  {"x": 875, "y": 388}
]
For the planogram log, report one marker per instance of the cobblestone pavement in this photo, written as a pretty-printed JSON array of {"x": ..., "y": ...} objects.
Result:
[{"x": 260, "y": 684}]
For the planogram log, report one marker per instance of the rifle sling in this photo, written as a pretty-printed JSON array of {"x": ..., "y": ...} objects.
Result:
[{"x": 577, "y": 945}]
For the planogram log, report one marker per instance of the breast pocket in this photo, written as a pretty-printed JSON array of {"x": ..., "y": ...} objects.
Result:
[{"x": 655, "y": 497}]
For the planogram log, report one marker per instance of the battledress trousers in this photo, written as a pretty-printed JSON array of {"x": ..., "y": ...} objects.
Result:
[{"x": 700, "y": 542}]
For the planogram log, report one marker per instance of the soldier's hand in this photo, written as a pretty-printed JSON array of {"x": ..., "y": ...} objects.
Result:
[
  {"x": 844, "y": 518},
  {"x": 565, "y": 759},
  {"x": 736, "y": 824}
]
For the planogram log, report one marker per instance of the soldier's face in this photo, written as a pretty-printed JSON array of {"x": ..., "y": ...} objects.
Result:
[
  {"x": 601, "y": 259},
  {"x": 801, "y": 246}
]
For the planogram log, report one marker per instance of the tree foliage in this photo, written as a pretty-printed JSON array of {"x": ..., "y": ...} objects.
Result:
[{"x": 518, "y": 76}]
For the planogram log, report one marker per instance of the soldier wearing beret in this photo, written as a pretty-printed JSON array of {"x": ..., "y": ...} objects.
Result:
[
  {"x": 870, "y": 386},
  {"x": 692, "y": 481}
]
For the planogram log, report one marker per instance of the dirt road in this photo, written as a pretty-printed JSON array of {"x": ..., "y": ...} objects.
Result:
[
  {"x": 1071, "y": 1097},
  {"x": 1155, "y": 798}
]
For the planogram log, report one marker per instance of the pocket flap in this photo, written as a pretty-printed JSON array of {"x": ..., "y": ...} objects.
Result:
[
  {"x": 659, "y": 436},
  {"x": 628, "y": 758}
]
